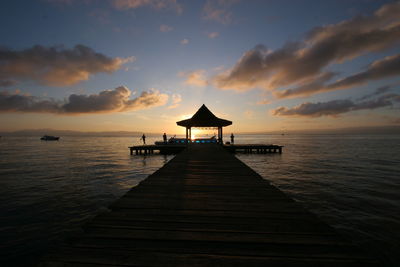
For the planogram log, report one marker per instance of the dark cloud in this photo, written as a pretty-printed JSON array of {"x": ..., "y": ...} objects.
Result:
[
  {"x": 380, "y": 69},
  {"x": 27, "y": 103},
  {"x": 336, "y": 107},
  {"x": 308, "y": 88},
  {"x": 308, "y": 109},
  {"x": 302, "y": 62},
  {"x": 378, "y": 91},
  {"x": 107, "y": 101},
  {"x": 389, "y": 66},
  {"x": 55, "y": 66}
]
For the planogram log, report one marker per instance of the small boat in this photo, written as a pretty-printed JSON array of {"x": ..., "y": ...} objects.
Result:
[{"x": 49, "y": 138}]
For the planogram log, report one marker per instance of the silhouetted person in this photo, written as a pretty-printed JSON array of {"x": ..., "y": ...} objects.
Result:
[
  {"x": 232, "y": 139},
  {"x": 144, "y": 139},
  {"x": 165, "y": 137}
]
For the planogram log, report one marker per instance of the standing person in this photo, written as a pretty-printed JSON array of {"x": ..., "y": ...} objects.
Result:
[
  {"x": 165, "y": 137},
  {"x": 144, "y": 139},
  {"x": 232, "y": 139}
]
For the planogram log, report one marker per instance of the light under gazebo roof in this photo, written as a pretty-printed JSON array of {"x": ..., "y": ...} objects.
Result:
[{"x": 204, "y": 118}]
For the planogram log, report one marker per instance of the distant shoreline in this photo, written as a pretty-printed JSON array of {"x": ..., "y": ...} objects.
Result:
[{"x": 343, "y": 131}]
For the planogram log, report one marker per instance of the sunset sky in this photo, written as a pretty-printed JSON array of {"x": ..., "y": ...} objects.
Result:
[{"x": 142, "y": 65}]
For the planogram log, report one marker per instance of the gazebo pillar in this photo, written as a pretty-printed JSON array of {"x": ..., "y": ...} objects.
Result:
[
  {"x": 220, "y": 141},
  {"x": 188, "y": 134}
]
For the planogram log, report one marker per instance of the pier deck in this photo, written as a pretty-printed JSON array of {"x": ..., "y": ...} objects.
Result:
[
  {"x": 207, "y": 208},
  {"x": 163, "y": 149},
  {"x": 175, "y": 149}
]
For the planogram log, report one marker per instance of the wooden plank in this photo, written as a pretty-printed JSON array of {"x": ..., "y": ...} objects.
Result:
[
  {"x": 223, "y": 248},
  {"x": 123, "y": 257}
]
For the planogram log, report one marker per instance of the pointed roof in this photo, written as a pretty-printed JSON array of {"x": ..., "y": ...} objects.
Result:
[{"x": 204, "y": 118}]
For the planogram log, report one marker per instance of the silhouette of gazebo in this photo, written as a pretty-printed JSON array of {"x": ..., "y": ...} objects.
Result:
[{"x": 204, "y": 118}]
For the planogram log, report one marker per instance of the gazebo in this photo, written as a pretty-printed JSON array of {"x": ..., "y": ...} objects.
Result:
[{"x": 204, "y": 118}]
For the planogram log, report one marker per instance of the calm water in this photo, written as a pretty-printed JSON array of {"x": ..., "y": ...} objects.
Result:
[{"x": 48, "y": 189}]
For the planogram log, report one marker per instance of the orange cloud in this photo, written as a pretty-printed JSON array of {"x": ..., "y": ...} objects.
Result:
[
  {"x": 195, "y": 78},
  {"x": 56, "y": 66},
  {"x": 176, "y": 100}
]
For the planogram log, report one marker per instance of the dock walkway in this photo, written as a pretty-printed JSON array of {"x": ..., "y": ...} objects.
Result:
[
  {"x": 233, "y": 148},
  {"x": 207, "y": 208}
]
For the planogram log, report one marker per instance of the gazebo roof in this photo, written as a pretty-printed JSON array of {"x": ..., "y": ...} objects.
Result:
[{"x": 204, "y": 118}]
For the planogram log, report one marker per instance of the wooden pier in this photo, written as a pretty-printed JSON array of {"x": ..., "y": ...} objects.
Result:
[
  {"x": 175, "y": 149},
  {"x": 254, "y": 148},
  {"x": 162, "y": 149},
  {"x": 207, "y": 208}
]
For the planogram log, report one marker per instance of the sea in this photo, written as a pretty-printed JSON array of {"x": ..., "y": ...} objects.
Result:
[{"x": 48, "y": 190}]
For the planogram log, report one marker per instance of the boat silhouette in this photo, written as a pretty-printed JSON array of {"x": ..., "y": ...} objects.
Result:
[{"x": 49, "y": 138}]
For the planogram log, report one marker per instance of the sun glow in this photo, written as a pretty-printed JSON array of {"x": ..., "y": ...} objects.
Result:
[{"x": 203, "y": 133}]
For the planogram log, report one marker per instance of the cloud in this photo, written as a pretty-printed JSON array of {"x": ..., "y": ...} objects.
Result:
[
  {"x": 212, "y": 35},
  {"x": 387, "y": 67},
  {"x": 316, "y": 85},
  {"x": 378, "y": 91},
  {"x": 302, "y": 62},
  {"x": 156, "y": 4},
  {"x": 218, "y": 10},
  {"x": 184, "y": 41},
  {"x": 263, "y": 102},
  {"x": 165, "y": 28},
  {"x": 56, "y": 66},
  {"x": 336, "y": 107},
  {"x": 147, "y": 99},
  {"x": 195, "y": 78},
  {"x": 176, "y": 100},
  {"x": 379, "y": 69},
  {"x": 107, "y": 101}
]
